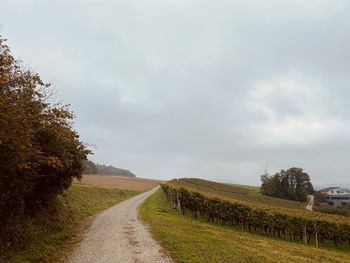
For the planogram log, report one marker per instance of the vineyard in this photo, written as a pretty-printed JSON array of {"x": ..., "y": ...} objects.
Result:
[
  {"x": 222, "y": 203},
  {"x": 241, "y": 193}
]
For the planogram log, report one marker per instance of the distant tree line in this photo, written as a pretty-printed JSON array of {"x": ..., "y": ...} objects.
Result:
[
  {"x": 40, "y": 153},
  {"x": 98, "y": 169},
  {"x": 293, "y": 184}
]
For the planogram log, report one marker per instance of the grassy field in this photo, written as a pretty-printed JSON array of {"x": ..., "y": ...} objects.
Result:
[
  {"x": 120, "y": 182},
  {"x": 51, "y": 234},
  {"x": 192, "y": 240}
]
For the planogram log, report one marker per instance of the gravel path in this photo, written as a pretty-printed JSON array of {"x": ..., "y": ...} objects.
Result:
[{"x": 117, "y": 235}]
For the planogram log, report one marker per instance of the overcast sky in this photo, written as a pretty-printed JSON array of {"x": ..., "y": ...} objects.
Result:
[{"x": 194, "y": 88}]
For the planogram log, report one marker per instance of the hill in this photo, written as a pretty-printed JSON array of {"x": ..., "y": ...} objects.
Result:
[
  {"x": 240, "y": 192},
  {"x": 101, "y": 169},
  {"x": 223, "y": 203},
  {"x": 249, "y": 197},
  {"x": 196, "y": 240}
]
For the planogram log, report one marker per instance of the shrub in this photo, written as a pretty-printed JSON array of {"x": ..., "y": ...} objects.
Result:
[
  {"x": 331, "y": 209},
  {"x": 40, "y": 153}
]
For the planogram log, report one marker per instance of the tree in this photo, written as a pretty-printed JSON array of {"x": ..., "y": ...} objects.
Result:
[
  {"x": 292, "y": 184},
  {"x": 90, "y": 167},
  {"x": 319, "y": 197},
  {"x": 95, "y": 168},
  {"x": 40, "y": 153}
]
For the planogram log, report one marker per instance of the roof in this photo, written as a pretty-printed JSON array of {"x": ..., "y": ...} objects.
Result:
[{"x": 328, "y": 189}]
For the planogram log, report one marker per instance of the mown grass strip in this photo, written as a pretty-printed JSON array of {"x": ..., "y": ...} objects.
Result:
[{"x": 193, "y": 240}]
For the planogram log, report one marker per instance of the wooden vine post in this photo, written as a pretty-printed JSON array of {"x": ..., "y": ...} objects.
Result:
[
  {"x": 316, "y": 236},
  {"x": 178, "y": 202},
  {"x": 305, "y": 236}
]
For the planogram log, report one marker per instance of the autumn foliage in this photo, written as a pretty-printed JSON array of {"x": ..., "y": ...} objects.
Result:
[{"x": 40, "y": 153}]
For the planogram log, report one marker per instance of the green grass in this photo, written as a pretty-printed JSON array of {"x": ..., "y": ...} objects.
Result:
[
  {"x": 193, "y": 240},
  {"x": 49, "y": 235}
]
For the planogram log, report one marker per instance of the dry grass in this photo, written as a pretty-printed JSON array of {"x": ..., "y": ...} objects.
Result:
[{"x": 120, "y": 182}]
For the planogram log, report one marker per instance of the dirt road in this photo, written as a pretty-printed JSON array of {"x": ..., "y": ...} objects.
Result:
[{"x": 116, "y": 235}]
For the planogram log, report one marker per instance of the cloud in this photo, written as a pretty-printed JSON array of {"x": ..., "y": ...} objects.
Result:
[{"x": 213, "y": 89}]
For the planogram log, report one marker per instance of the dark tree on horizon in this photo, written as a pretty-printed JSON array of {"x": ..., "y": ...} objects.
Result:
[{"x": 293, "y": 184}]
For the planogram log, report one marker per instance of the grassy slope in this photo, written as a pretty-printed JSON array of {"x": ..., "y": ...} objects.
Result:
[
  {"x": 51, "y": 233},
  {"x": 251, "y": 195},
  {"x": 242, "y": 193},
  {"x": 190, "y": 240}
]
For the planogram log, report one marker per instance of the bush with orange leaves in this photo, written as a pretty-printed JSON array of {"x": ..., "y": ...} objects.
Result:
[{"x": 40, "y": 153}]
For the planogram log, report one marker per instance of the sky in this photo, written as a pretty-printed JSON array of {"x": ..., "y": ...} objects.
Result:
[{"x": 196, "y": 88}]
